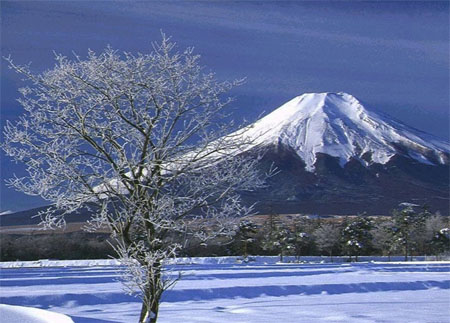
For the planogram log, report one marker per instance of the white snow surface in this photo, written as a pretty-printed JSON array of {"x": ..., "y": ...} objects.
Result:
[
  {"x": 216, "y": 290},
  {"x": 337, "y": 124},
  {"x": 21, "y": 314}
]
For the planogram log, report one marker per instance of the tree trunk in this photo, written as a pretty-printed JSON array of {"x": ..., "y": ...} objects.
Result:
[
  {"x": 149, "y": 312},
  {"x": 150, "y": 303},
  {"x": 406, "y": 251}
]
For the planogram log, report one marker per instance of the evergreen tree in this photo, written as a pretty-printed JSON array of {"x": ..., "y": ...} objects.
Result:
[
  {"x": 245, "y": 235},
  {"x": 407, "y": 224},
  {"x": 382, "y": 235},
  {"x": 277, "y": 237},
  {"x": 434, "y": 239},
  {"x": 301, "y": 241},
  {"x": 270, "y": 239},
  {"x": 302, "y": 235},
  {"x": 441, "y": 241},
  {"x": 357, "y": 236},
  {"x": 284, "y": 241}
]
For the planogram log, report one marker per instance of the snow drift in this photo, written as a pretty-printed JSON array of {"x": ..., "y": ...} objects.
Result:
[{"x": 21, "y": 314}]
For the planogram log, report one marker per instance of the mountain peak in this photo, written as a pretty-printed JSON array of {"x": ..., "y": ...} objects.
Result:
[{"x": 337, "y": 124}]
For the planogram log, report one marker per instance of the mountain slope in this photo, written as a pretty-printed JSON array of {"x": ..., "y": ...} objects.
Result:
[
  {"x": 338, "y": 125},
  {"x": 336, "y": 157}
]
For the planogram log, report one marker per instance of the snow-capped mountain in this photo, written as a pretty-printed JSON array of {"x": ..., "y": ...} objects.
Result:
[
  {"x": 336, "y": 157},
  {"x": 333, "y": 156},
  {"x": 337, "y": 124}
]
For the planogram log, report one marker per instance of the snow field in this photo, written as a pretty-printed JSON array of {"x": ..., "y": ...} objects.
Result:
[
  {"x": 20, "y": 314},
  {"x": 255, "y": 292}
]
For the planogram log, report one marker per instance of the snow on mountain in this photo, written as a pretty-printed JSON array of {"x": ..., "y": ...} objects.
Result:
[{"x": 337, "y": 124}]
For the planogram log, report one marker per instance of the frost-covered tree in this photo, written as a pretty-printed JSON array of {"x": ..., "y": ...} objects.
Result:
[
  {"x": 327, "y": 237},
  {"x": 269, "y": 241},
  {"x": 245, "y": 235},
  {"x": 284, "y": 241},
  {"x": 140, "y": 139},
  {"x": 441, "y": 242},
  {"x": 300, "y": 241},
  {"x": 437, "y": 234},
  {"x": 301, "y": 236},
  {"x": 408, "y": 225},
  {"x": 277, "y": 236},
  {"x": 382, "y": 237},
  {"x": 356, "y": 236}
]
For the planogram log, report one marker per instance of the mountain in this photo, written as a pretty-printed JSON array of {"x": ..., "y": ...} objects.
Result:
[
  {"x": 338, "y": 125},
  {"x": 335, "y": 156}
]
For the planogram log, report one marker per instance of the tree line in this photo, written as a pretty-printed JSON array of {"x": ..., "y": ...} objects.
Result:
[{"x": 406, "y": 232}]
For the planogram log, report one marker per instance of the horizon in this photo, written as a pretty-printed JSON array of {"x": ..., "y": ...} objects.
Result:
[{"x": 392, "y": 56}]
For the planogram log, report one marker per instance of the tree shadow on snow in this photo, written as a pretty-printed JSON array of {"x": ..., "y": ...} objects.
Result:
[
  {"x": 273, "y": 290},
  {"x": 47, "y": 301},
  {"x": 78, "y": 319}
]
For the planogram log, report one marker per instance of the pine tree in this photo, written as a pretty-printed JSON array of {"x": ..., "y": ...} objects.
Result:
[
  {"x": 357, "y": 237},
  {"x": 245, "y": 235},
  {"x": 269, "y": 241},
  {"x": 435, "y": 239},
  {"x": 441, "y": 241},
  {"x": 285, "y": 241},
  {"x": 302, "y": 235},
  {"x": 382, "y": 234},
  {"x": 407, "y": 224},
  {"x": 278, "y": 237},
  {"x": 301, "y": 241}
]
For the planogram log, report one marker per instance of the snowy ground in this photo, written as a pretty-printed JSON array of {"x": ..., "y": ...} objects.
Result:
[
  {"x": 21, "y": 314},
  {"x": 256, "y": 292}
]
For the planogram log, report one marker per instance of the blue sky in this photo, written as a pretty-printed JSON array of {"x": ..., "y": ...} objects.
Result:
[{"x": 393, "y": 56}]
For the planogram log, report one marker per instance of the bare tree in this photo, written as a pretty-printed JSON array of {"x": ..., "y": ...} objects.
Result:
[
  {"x": 327, "y": 236},
  {"x": 142, "y": 141}
]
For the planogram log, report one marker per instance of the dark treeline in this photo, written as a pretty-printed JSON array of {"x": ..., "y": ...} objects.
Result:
[
  {"x": 408, "y": 232},
  {"x": 74, "y": 245}
]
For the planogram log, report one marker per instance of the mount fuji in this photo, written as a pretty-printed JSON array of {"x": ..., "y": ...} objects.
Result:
[
  {"x": 337, "y": 124},
  {"x": 334, "y": 156}
]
